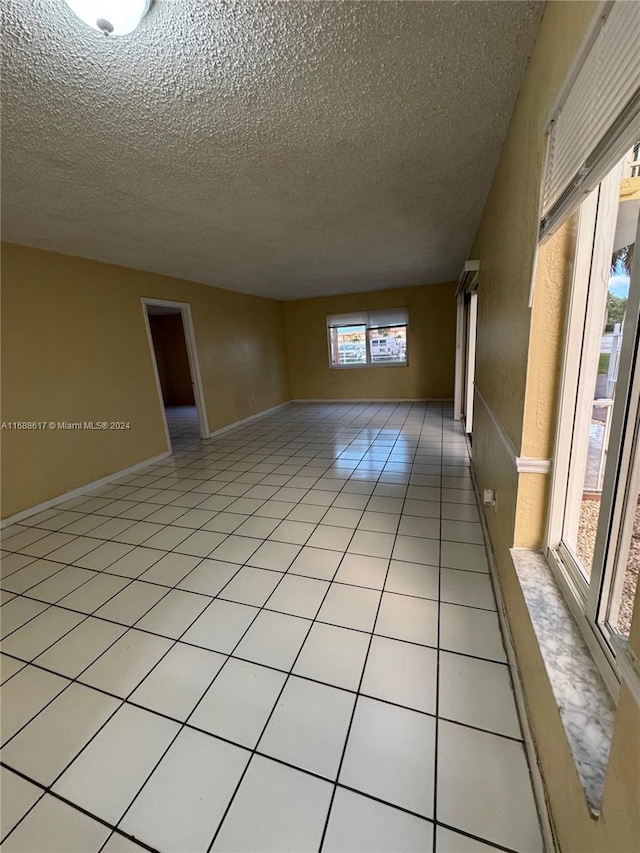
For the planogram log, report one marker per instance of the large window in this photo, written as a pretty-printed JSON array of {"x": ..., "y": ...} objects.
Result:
[
  {"x": 368, "y": 339},
  {"x": 594, "y": 529}
]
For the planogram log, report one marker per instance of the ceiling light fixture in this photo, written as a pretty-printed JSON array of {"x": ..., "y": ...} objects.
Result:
[{"x": 111, "y": 17}]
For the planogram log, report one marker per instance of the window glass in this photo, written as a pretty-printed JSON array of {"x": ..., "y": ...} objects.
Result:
[
  {"x": 388, "y": 345},
  {"x": 348, "y": 345},
  {"x": 601, "y": 347}
]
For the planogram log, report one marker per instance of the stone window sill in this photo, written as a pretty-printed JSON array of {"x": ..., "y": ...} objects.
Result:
[{"x": 586, "y": 708}]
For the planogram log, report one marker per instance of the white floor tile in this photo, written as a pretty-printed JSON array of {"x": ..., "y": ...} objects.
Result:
[
  {"x": 350, "y": 607},
  {"x": 178, "y": 682},
  {"x": 293, "y": 532},
  {"x": 360, "y": 570},
  {"x": 462, "y": 531},
  {"x": 422, "y": 509},
  {"x": 226, "y": 522},
  {"x": 107, "y": 775},
  {"x": 333, "y": 655},
  {"x": 31, "y": 575},
  {"x": 448, "y": 841},
  {"x": 55, "y": 827},
  {"x": 8, "y": 667},
  {"x": 413, "y": 525},
  {"x": 413, "y": 579},
  {"x": 307, "y": 512},
  {"x": 274, "y": 640},
  {"x": 379, "y": 522},
  {"x": 459, "y": 555},
  {"x": 170, "y": 569},
  {"x": 331, "y": 538},
  {"x": 340, "y": 517},
  {"x": 276, "y": 809},
  {"x": 298, "y": 596},
  {"x": 40, "y": 633},
  {"x": 403, "y": 673},
  {"x": 238, "y": 703},
  {"x": 24, "y": 695},
  {"x": 362, "y": 825},
  {"x": 479, "y": 693},
  {"x": 471, "y": 632},
  {"x": 94, "y": 593},
  {"x": 104, "y": 556},
  {"x": 472, "y": 589},
  {"x": 169, "y": 538},
  {"x": 123, "y": 666},
  {"x": 120, "y": 844},
  {"x": 415, "y": 549},
  {"x": 371, "y": 544},
  {"x": 19, "y": 612},
  {"x": 18, "y": 796},
  {"x": 309, "y": 726},
  {"x": 62, "y": 583},
  {"x": 460, "y": 512},
  {"x": 402, "y": 617},
  {"x": 183, "y": 802},
  {"x": 484, "y": 787},
  {"x": 80, "y": 647},
  {"x": 236, "y": 549},
  {"x": 316, "y": 563},
  {"x": 132, "y": 603},
  {"x": 276, "y": 556},
  {"x": 391, "y": 755},
  {"x": 251, "y": 586},
  {"x": 174, "y": 613},
  {"x": 52, "y": 740},
  {"x": 201, "y": 543},
  {"x": 221, "y": 626},
  {"x": 257, "y": 527},
  {"x": 209, "y": 577}
]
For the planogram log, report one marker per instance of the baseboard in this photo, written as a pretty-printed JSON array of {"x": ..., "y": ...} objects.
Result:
[
  {"x": 549, "y": 837},
  {"x": 376, "y": 400},
  {"x": 244, "y": 421},
  {"x": 81, "y": 490}
]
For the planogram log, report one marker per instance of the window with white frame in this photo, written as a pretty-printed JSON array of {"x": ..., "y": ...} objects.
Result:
[
  {"x": 594, "y": 531},
  {"x": 368, "y": 338},
  {"x": 593, "y": 173}
]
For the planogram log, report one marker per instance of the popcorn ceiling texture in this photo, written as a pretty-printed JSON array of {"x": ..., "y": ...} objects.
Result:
[{"x": 286, "y": 149}]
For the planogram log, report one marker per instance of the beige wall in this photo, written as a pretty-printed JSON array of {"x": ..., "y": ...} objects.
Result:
[
  {"x": 75, "y": 348},
  {"x": 172, "y": 360},
  {"x": 430, "y": 346},
  {"x": 518, "y": 366}
]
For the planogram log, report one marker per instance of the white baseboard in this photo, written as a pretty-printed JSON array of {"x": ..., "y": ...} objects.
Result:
[
  {"x": 550, "y": 841},
  {"x": 244, "y": 421},
  {"x": 376, "y": 400},
  {"x": 81, "y": 490}
]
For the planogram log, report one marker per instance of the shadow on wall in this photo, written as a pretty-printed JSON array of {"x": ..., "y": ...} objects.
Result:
[{"x": 170, "y": 348}]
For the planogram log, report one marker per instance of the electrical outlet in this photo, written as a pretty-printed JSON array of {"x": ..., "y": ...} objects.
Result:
[
  {"x": 489, "y": 497},
  {"x": 253, "y": 397}
]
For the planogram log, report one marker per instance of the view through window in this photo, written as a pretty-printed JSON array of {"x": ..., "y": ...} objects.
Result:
[{"x": 374, "y": 338}]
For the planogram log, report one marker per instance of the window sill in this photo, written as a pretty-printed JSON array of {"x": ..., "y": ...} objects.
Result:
[{"x": 586, "y": 708}]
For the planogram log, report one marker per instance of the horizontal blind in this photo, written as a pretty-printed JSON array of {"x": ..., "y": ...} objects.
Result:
[
  {"x": 600, "y": 118},
  {"x": 388, "y": 317},
  {"x": 372, "y": 319}
]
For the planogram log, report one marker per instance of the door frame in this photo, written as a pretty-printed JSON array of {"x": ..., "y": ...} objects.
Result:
[{"x": 184, "y": 309}]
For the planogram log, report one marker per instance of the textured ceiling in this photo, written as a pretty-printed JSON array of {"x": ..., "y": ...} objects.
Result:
[{"x": 287, "y": 149}]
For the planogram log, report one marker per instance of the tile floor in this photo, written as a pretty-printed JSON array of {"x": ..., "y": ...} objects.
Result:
[{"x": 281, "y": 639}]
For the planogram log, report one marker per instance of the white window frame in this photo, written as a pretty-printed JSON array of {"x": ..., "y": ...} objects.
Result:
[
  {"x": 369, "y": 323},
  {"x": 590, "y": 602}
]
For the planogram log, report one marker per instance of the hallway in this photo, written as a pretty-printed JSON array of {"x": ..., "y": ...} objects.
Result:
[{"x": 283, "y": 638}]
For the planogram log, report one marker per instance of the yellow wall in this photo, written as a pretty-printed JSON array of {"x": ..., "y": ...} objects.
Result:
[
  {"x": 430, "y": 346},
  {"x": 75, "y": 348},
  {"x": 518, "y": 365}
]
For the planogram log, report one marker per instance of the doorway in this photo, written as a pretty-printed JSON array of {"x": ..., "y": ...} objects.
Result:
[
  {"x": 467, "y": 317},
  {"x": 173, "y": 350}
]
